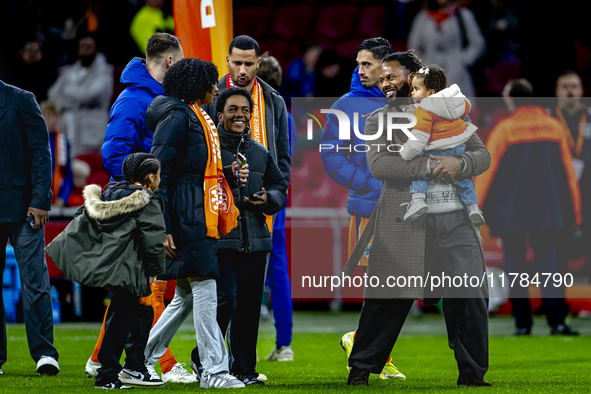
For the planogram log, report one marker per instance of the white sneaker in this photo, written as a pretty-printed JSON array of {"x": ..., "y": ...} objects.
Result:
[
  {"x": 91, "y": 368},
  {"x": 128, "y": 376},
  {"x": 178, "y": 374},
  {"x": 47, "y": 366},
  {"x": 415, "y": 209},
  {"x": 221, "y": 381},
  {"x": 284, "y": 353},
  {"x": 475, "y": 215},
  {"x": 151, "y": 371}
]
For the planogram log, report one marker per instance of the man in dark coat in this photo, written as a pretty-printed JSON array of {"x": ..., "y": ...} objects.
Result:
[
  {"x": 442, "y": 242},
  {"x": 531, "y": 191},
  {"x": 575, "y": 116},
  {"x": 242, "y": 253},
  {"x": 25, "y": 189},
  {"x": 269, "y": 122}
]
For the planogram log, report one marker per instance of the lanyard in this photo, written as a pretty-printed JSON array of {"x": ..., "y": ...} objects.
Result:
[{"x": 578, "y": 147}]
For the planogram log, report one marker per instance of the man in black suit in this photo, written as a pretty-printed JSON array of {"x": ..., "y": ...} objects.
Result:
[{"x": 25, "y": 189}]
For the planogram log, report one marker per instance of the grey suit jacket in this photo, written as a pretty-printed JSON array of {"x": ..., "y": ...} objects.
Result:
[
  {"x": 398, "y": 247},
  {"x": 25, "y": 156}
]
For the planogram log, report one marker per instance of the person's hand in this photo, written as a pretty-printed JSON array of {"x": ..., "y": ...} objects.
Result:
[
  {"x": 258, "y": 199},
  {"x": 41, "y": 216},
  {"x": 59, "y": 203},
  {"x": 432, "y": 165},
  {"x": 169, "y": 245},
  {"x": 448, "y": 167},
  {"x": 243, "y": 172}
]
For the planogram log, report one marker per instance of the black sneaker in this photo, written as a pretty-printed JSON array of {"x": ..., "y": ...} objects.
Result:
[
  {"x": 197, "y": 371},
  {"x": 357, "y": 377},
  {"x": 249, "y": 380},
  {"x": 472, "y": 382},
  {"x": 128, "y": 376},
  {"x": 118, "y": 385},
  {"x": 563, "y": 329},
  {"x": 523, "y": 331}
]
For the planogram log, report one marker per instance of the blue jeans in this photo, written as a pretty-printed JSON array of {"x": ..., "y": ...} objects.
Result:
[
  {"x": 465, "y": 186},
  {"x": 279, "y": 283}
]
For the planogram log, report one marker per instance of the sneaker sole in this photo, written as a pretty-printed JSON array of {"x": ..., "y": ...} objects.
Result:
[
  {"x": 416, "y": 215},
  {"x": 47, "y": 369},
  {"x": 181, "y": 381},
  {"x": 139, "y": 383},
  {"x": 477, "y": 220},
  {"x": 395, "y": 377}
]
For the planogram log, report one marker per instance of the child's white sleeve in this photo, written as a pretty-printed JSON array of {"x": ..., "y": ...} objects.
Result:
[{"x": 412, "y": 148}]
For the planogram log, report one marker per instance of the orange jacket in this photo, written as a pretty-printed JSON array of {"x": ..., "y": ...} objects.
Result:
[{"x": 528, "y": 124}]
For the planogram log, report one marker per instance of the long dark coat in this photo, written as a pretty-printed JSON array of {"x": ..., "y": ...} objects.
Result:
[
  {"x": 179, "y": 143},
  {"x": 25, "y": 157},
  {"x": 398, "y": 247}
]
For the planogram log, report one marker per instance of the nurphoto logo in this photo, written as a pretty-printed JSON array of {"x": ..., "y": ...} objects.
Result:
[{"x": 392, "y": 123}]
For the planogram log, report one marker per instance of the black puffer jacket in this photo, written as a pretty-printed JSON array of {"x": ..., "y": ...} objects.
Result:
[
  {"x": 179, "y": 143},
  {"x": 264, "y": 172}
]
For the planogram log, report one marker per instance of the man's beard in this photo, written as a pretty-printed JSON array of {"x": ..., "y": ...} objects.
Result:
[
  {"x": 87, "y": 60},
  {"x": 401, "y": 95}
]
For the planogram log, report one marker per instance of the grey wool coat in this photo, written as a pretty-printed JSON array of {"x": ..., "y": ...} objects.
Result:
[{"x": 398, "y": 247}]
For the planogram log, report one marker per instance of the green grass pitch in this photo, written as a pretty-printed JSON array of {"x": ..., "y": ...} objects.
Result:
[{"x": 537, "y": 364}]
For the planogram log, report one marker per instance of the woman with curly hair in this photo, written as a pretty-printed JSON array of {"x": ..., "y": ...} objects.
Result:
[{"x": 187, "y": 145}]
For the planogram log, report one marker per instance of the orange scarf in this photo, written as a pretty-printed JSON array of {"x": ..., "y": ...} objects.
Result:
[
  {"x": 577, "y": 147},
  {"x": 61, "y": 160},
  {"x": 258, "y": 129},
  {"x": 220, "y": 211}
]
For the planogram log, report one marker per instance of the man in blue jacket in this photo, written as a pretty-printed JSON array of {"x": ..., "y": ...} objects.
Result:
[
  {"x": 348, "y": 167},
  {"x": 128, "y": 133},
  {"x": 25, "y": 190}
]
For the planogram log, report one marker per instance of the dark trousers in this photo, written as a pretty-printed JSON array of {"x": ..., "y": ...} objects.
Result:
[
  {"x": 240, "y": 293},
  {"x": 28, "y": 248},
  {"x": 129, "y": 322},
  {"x": 451, "y": 246},
  {"x": 548, "y": 252}
]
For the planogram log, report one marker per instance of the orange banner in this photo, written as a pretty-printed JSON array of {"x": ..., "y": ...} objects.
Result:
[{"x": 206, "y": 28}]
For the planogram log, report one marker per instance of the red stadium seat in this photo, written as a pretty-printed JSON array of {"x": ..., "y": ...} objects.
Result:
[
  {"x": 284, "y": 51},
  {"x": 252, "y": 21},
  {"x": 501, "y": 73},
  {"x": 347, "y": 48},
  {"x": 336, "y": 21},
  {"x": 94, "y": 160},
  {"x": 372, "y": 21},
  {"x": 292, "y": 21}
]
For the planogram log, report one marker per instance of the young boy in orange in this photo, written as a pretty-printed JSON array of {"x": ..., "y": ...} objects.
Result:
[{"x": 439, "y": 131}]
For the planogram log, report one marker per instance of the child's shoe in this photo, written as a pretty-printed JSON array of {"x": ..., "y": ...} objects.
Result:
[
  {"x": 415, "y": 209},
  {"x": 475, "y": 215}
]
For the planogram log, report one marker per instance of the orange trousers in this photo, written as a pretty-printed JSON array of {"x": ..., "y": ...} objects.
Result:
[{"x": 156, "y": 301}]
